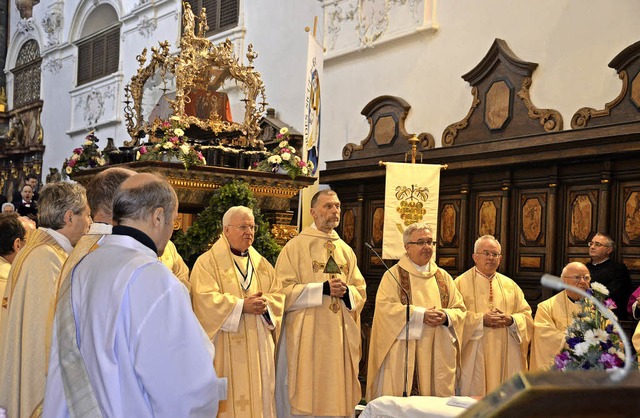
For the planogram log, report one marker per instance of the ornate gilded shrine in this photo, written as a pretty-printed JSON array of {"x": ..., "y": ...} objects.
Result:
[{"x": 185, "y": 89}]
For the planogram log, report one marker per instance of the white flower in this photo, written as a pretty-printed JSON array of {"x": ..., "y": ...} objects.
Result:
[
  {"x": 184, "y": 148},
  {"x": 283, "y": 144},
  {"x": 88, "y": 143},
  {"x": 286, "y": 156},
  {"x": 600, "y": 288},
  {"x": 296, "y": 159},
  {"x": 310, "y": 165},
  {"x": 167, "y": 145},
  {"x": 305, "y": 171},
  {"x": 581, "y": 348},
  {"x": 75, "y": 157},
  {"x": 137, "y": 155},
  {"x": 594, "y": 336},
  {"x": 274, "y": 159},
  {"x": 284, "y": 130},
  {"x": 101, "y": 161},
  {"x": 68, "y": 170},
  {"x": 179, "y": 132},
  {"x": 293, "y": 150}
]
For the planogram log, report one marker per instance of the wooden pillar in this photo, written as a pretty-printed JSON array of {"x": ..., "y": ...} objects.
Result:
[
  {"x": 359, "y": 226},
  {"x": 551, "y": 239},
  {"x": 604, "y": 206},
  {"x": 505, "y": 219}
]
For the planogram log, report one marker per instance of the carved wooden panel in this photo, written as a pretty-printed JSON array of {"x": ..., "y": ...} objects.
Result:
[
  {"x": 488, "y": 215},
  {"x": 348, "y": 226},
  {"x": 532, "y": 219},
  {"x": 631, "y": 214},
  {"x": 583, "y": 205},
  {"x": 449, "y": 217}
]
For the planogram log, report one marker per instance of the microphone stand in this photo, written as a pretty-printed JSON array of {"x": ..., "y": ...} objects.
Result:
[
  {"x": 616, "y": 375},
  {"x": 406, "y": 325}
]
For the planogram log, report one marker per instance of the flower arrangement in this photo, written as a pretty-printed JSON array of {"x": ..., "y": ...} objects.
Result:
[
  {"x": 84, "y": 157},
  {"x": 591, "y": 342},
  {"x": 173, "y": 145},
  {"x": 284, "y": 159}
]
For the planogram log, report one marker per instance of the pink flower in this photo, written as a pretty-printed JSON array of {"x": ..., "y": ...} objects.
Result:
[
  {"x": 302, "y": 163},
  {"x": 173, "y": 139},
  {"x": 279, "y": 136},
  {"x": 166, "y": 124},
  {"x": 143, "y": 150},
  {"x": 71, "y": 163},
  {"x": 200, "y": 157},
  {"x": 283, "y": 150},
  {"x": 77, "y": 151},
  {"x": 609, "y": 303}
]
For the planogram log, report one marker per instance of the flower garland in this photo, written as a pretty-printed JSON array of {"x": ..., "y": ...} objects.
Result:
[
  {"x": 591, "y": 342},
  {"x": 172, "y": 146},
  {"x": 284, "y": 158},
  {"x": 84, "y": 157}
]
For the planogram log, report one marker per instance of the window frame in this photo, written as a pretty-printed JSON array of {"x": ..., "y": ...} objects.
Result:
[{"x": 110, "y": 59}]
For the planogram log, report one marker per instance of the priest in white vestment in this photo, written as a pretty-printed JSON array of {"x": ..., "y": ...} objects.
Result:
[
  {"x": 498, "y": 324},
  {"x": 319, "y": 351},
  {"x": 239, "y": 303},
  {"x": 554, "y": 315},
  {"x": 435, "y": 324}
]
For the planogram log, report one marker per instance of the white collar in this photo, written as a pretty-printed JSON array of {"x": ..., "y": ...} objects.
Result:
[
  {"x": 100, "y": 228},
  {"x": 596, "y": 264},
  {"x": 60, "y": 239},
  {"x": 421, "y": 269}
]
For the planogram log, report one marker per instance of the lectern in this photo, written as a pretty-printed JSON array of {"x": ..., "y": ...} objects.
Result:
[{"x": 562, "y": 394}]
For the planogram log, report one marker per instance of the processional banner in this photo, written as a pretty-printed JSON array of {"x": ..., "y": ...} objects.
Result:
[
  {"x": 312, "y": 103},
  {"x": 411, "y": 195}
]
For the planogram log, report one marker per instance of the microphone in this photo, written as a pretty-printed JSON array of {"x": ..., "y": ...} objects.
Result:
[
  {"x": 406, "y": 325},
  {"x": 616, "y": 375}
]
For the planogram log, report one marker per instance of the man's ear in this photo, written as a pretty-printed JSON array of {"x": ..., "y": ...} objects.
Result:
[
  {"x": 68, "y": 217},
  {"x": 17, "y": 245},
  {"x": 158, "y": 217}
]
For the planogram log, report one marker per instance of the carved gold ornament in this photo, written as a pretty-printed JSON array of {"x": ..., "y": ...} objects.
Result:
[{"x": 198, "y": 67}]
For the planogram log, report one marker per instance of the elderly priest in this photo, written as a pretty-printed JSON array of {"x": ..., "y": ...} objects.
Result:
[
  {"x": 435, "y": 325},
  {"x": 554, "y": 316},
  {"x": 239, "y": 304}
]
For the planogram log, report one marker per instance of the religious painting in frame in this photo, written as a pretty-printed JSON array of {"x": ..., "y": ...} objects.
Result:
[
  {"x": 532, "y": 222},
  {"x": 630, "y": 207},
  {"x": 582, "y": 216},
  {"x": 488, "y": 207},
  {"x": 449, "y": 217}
]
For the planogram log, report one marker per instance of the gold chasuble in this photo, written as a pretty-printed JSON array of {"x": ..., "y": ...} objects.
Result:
[
  {"x": 553, "y": 316},
  {"x": 245, "y": 346},
  {"x": 434, "y": 352},
  {"x": 490, "y": 356},
  {"x": 176, "y": 264},
  {"x": 322, "y": 346},
  {"x": 636, "y": 338},
  {"x": 31, "y": 290}
]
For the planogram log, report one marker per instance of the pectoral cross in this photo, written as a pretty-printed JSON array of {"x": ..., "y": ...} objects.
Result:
[{"x": 332, "y": 269}]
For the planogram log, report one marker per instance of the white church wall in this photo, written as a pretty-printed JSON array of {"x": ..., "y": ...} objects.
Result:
[{"x": 420, "y": 59}]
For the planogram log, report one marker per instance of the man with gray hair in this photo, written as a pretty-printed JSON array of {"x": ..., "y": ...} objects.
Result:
[
  {"x": 8, "y": 207},
  {"x": 554, "y": 315},
  {"x": 12, "y": 239},
  {"x": 141, "y": 349},
  {"x": 498, "y": 325},
  {"x": 435, "y": 325},
  {"x": 239, "y": 303},
  {"x": 63, "y": 218}
]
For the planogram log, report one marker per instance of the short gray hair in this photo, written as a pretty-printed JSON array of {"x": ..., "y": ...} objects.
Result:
[
  {"x": 485, "y": 238},
  {"x": 56, "y": 199},
  {"x": 137, "y": 203},
  {"x": 8, "y": 205},
  {"x": 102, "y": 188},
  {"x": 233, "y": 211},
  {"x": 328, "y": 192},
  {"x": 610, "y": 243},
  {"x": 406, "y": 235}
]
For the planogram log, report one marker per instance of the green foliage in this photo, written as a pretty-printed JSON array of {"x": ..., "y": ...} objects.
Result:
[{"x": 208, "y": 226}]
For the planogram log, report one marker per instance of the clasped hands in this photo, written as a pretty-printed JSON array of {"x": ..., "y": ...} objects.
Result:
[
  {"x": 495, "y": 318},
  {"x": 255, "y": 304},
  {"x": 434, "y": 317},
  {"x": 337, "y": 287}
]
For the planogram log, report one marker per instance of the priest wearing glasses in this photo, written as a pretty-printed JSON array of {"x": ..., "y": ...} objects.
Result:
[
  {"x": 435, "y": 324},
  {"x": 498, "y": 325},
  {"x": 554, "y": 315},
  {"x": 239, "y": 303}
]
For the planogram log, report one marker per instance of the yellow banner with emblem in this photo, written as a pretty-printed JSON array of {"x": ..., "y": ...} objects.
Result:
[{"x": 411, "y": 195}]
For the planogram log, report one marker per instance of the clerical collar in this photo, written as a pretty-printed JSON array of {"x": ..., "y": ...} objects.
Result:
[
  {"x": 422, "y": 269},
  {"x": 136, "y": 234},
  {"x": 597, "y": 264},
  {"x": 239, "y": 253},
  {"x": 484, "y": 275}
]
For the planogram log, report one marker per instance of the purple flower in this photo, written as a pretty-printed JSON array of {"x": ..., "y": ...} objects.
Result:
[
  {"x": 562, "y": 360},
  {"x": 77, "y": 151},
  {"x": 609, "y": 329},
  {"x": 610, "y": 361},
  {"x": 573, "y": 341},
  {"x": 606, "y": 345},
  {"x": 609, "y": 303}
]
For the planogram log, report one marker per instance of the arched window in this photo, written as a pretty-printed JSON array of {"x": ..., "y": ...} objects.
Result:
[
  {"x": 99, "y": 46},
  {"x": 221, "y": 14},
  {"x": 26, "y": 74}
]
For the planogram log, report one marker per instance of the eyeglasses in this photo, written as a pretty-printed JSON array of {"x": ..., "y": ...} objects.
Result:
[
  {"x": 489, "y": 254},
  {"x": 245, "y": 228},
  {"x": 597, "y": 244},
  {"x": 577, "y": 279},
  {"x": 423, "y": 243}
]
